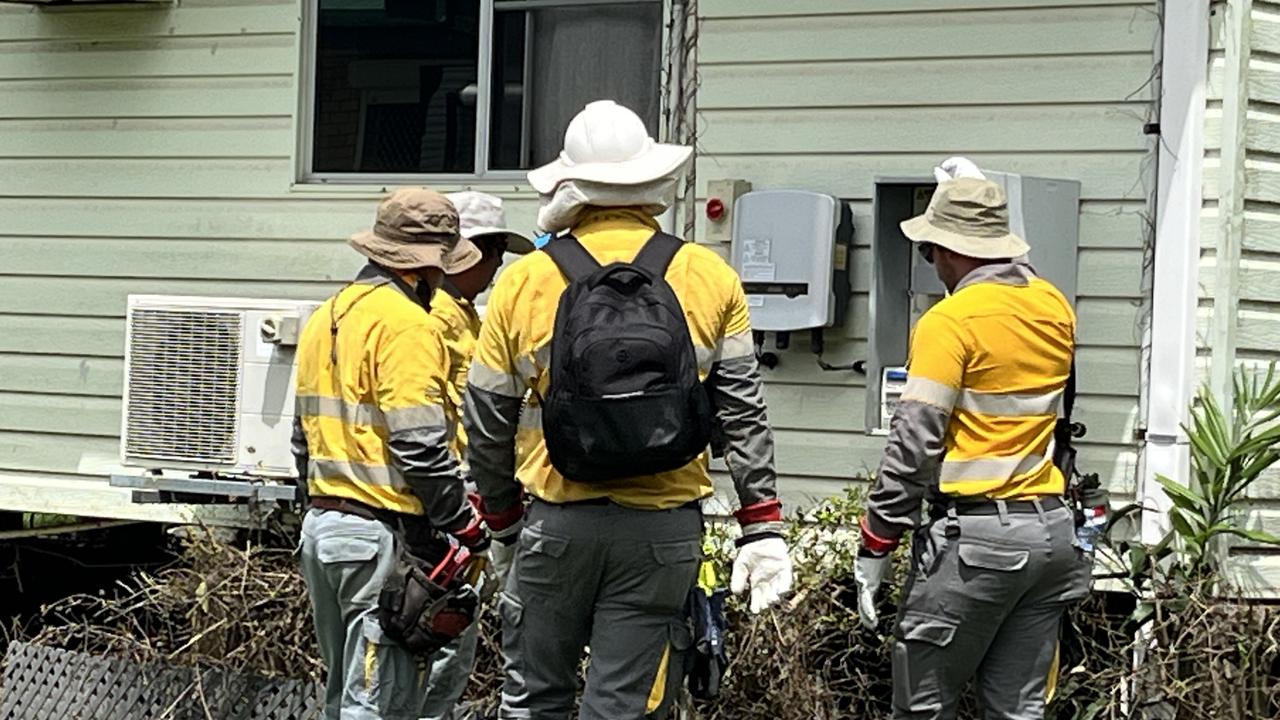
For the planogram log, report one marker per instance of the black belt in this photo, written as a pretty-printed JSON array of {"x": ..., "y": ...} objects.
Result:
[
  {"x": 415, "y": 530},
  {"x": 357, "y": 508},
  {"x": 992, "y": 507},
  {"x": 606, "y": 501}
]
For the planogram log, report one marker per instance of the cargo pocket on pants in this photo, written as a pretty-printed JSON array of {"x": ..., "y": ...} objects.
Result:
[
  {"x": 671, "y": 670},
  {"x": 677, "y": 570},
  {"x": 920, "y": 662},
  {"x": 538, "y": 566}
]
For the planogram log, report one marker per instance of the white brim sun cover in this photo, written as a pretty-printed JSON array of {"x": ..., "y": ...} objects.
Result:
[{"x": 658, "y": 161}]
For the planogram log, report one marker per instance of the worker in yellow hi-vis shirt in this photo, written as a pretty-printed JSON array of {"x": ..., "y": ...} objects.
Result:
[
  {"x": 484, "y": 224},
  {"x": 996, "y": 563},
  {"x": 372, "y": 443},
  {"x": 612, "y": 330}
]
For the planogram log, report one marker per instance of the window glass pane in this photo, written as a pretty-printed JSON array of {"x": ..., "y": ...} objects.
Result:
[
  {"x": 396, "y": 86},
  {"x": 549, "y": 63}
]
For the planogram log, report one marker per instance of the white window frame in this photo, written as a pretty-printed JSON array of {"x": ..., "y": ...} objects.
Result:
[{"x": 484, "y": 67}]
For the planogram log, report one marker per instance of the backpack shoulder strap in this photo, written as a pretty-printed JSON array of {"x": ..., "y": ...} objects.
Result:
[
  {"x": 657, "y": 253},
  {"x": 569, "y": 255}
]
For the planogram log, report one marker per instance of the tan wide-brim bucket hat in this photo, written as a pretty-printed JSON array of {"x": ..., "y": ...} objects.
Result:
[
  {"x": 417, "y": 228},
  {"x": 969, "y": 216}
]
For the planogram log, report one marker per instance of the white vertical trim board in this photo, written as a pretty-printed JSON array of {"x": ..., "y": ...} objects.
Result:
[{"x": 1171, "y": 373}]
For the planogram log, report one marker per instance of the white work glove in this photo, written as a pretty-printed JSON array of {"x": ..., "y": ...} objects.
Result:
[
  {"x": 764, "y": 566},
  {"x": 957, "y": 167},
  {"x": 502, "y": 552},
  {"x": 869, "y": 572}
]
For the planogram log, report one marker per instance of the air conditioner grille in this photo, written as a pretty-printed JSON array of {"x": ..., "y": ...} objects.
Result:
[{"x": 184, "y": 384}]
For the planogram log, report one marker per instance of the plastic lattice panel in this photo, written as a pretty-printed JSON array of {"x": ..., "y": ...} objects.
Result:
[{"x": 42, "y": 683}]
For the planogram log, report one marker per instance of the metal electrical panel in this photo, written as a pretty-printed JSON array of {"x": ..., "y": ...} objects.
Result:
[
  {"x": 1045, "y": 212},
  {"x": 791, "y": 248}
]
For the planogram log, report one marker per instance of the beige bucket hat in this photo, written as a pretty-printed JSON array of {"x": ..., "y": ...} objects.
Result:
[
  {"x": 969, "y": 216},
  {"x": 481, "y": 214},
  {"x": 416, "y": 228}
]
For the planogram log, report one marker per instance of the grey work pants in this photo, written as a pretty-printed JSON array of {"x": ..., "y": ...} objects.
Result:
[
  {"x": 345, "y": 560},
  {"x": 608, "y": 577},
  {"x": 985, "y": 600},
  {"x": 450, "y": 670}
]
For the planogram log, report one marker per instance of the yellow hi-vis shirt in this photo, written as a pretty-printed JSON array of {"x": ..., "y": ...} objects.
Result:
[
  {"x": 462, "y": 329},
  {"x": 390, "y": 377},
  {"x": 985, "y": 378},
  {"x": 996, "y": 356},
  {"x": 513, "y": 352}
]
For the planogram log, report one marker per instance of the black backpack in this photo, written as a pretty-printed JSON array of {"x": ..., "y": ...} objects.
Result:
[{"x": 625, "y": 397}]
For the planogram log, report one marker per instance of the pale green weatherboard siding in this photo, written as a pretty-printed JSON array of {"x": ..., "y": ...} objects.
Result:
[
  {"x": 1258, "y": 275},
  {"x": 827, "y": 95},
  {"x": 150, "y": 151},
  {"x": 145, "y": 150}
]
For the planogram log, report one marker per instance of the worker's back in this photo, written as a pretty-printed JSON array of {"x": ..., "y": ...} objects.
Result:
[
  {"x": 515, "y": 347},
  {"x": 1013, "y": 335},
  {"x": 361, "y": 358}
]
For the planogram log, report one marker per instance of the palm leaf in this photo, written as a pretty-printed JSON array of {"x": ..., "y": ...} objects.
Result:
[
  {"x": 1258, "y": 536},
  {"x": 1182, "y": 496}
]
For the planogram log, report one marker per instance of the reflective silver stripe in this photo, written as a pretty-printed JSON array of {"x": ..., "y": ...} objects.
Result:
[
  {"x": 736, "y": 346},
  {"x": 1010, "y": 404},
  {"x": 322, "y": 469},
  {"x": 530, "y": 367},
  {"x": 733, "y": 347},
  {"x": 991, "y": 468},
  {"x": 417, "y": 416},
  {"x": 929, "y": 392},
  {"x": 706, "y": 357},
  {"x": 530, "y": 418},
  {"x": 483, "y": 377},
  {"x": 350, "y": 413},
  {"x": 367, "y": 414}
]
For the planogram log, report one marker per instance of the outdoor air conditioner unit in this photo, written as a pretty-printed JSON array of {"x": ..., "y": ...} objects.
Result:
[
  {"x": 209, "y": 384},
  {"x": 62, "y": 3},
  {"x": 53, "y": 3}
]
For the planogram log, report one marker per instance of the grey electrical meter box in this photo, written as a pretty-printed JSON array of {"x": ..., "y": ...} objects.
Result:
[
  {"x": 790, "y": 251},
  {"x": 1043, "y": 211}
]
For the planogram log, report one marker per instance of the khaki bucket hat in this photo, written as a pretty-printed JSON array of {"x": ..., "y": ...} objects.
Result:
[
  {"x": 969, "y": 216},
  {"x": 480, "y": 214},
  {"x": 416, "y": 228}
]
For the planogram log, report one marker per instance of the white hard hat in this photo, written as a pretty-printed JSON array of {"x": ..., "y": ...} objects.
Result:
[
  {"x": 607, "y": 143},
  {"x": 481, "y": 214}
]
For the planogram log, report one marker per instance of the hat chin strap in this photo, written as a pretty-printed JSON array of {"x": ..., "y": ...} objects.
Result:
[{"x": 562, "y": 209}]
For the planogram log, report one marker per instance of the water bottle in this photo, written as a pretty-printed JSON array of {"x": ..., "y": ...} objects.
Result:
[
  {"x": 1094, "y": 504},
  {"x": 1089, "y": 531}
]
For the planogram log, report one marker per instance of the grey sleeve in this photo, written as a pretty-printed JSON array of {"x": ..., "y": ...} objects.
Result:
[
  {"x": 490, "y": 420},
  {"x": 908, "y": 471},
  {"x": 432, "y": 472},
  {"x": 301, "y": 454},
  {"x": 737, "y": 395}
]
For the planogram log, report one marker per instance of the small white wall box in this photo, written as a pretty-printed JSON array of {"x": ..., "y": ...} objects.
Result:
[
  {"x": 1043, "y": 211},
  {"x": 209, "y": 384},
  {"x": 722, "y": 196},
  {"x": 893, "y": 382},
  {"x": 791, "y": 248}
]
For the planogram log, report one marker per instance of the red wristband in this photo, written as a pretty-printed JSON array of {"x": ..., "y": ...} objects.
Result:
[
  {"x": 874, "y": 543},
  {"x": 500, "y": 521},
  {"x": 761, "y": 512}
]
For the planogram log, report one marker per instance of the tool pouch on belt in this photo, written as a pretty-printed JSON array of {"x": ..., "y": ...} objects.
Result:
[
  {"x": 706, "y": 663},
  {"x": 425, "y": 606}
]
